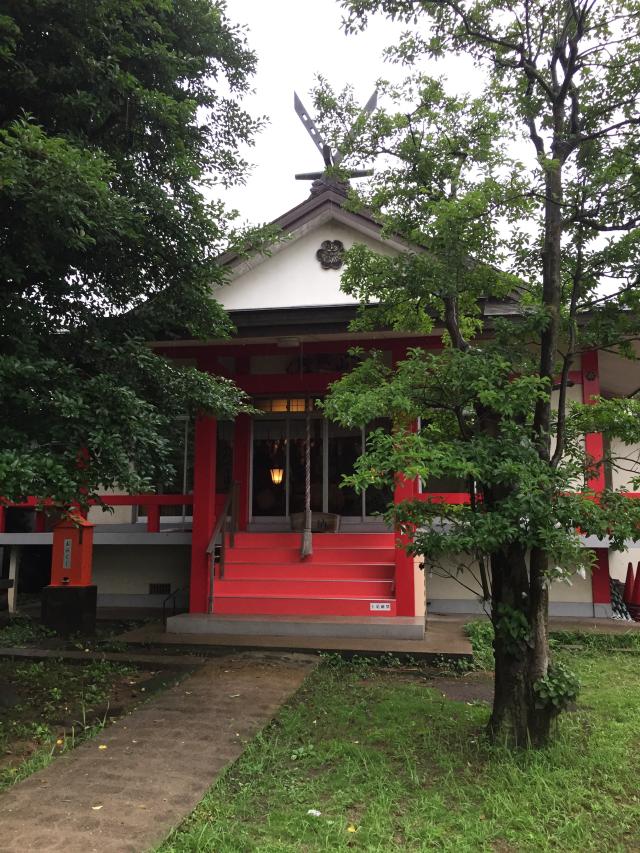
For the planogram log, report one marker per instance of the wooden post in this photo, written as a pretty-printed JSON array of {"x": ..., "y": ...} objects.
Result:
[
  {"x": 241, "y": 467},
  {"x": 204, "y": 512},
  {"x": 14, "y": 569}
]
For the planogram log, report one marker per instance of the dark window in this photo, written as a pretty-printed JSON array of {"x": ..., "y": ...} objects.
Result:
[
  {"x": 446, "y": 484},
  {"x": 224, "y": 457}
]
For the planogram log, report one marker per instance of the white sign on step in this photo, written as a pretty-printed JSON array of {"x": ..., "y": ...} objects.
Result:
[{"x": 379, "y": 605}]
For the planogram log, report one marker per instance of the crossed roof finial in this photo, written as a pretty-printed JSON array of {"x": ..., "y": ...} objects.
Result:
[{"x": 331, "y": 158}]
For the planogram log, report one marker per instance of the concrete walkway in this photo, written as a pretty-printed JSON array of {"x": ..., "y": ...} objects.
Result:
[
  {"x": 444, "y": 637},
  {"x": 122, "y": 791}
]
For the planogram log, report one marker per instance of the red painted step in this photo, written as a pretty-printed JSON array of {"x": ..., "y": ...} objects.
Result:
[
  {"x": 320, "y": 556},
  {"x": 346, "y": 574},
  {"x": 320, "y": 540},
  {"x": 292, "y": 606},
  {"x": 309, "y": 571},
  {"x": 353, "y": 540},
  {"x": 316, "y": 588}
]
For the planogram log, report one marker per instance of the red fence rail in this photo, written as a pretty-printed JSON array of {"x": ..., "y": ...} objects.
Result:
[{"x": 152, "y": 503}]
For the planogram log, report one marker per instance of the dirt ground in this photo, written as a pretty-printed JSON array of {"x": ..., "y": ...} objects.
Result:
[
  {"x": 122, "y": 791},
  {"x": 48, "y": 704},
  {"x": 472, "y": 687},
  {"x": 468, "y": 687}
]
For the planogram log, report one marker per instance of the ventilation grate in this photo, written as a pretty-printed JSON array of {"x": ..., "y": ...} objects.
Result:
[{"x": 159, "y": 589}]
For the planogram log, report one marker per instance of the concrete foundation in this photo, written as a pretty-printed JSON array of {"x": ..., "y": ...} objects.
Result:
[
  {"x": 389, "y": 628},
  {"x": 473, "y": 607}
]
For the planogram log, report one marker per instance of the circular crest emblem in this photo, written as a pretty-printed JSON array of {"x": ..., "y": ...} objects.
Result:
[{"x": 330, "y": 254}]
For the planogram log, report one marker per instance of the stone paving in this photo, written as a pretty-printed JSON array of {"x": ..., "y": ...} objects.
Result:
[{"x": 122, "y": 791}]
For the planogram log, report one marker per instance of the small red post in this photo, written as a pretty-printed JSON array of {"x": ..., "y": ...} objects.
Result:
[
  {"x": 633, "y": 605},
  {"x": 153, "y": 518},
  {"x": 635, "y": 596},
  {"x": 72, "y": 552},
  {"x": 628, "y": 585},
  {"x": 3, "y": 518},
  {"x": 204, "y": 510}
]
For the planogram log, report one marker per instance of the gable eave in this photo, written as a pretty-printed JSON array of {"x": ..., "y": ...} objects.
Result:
[{"x": 311, "y": 214}]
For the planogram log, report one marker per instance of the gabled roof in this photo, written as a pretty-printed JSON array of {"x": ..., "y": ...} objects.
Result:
[{"x": 321, "y": 207}]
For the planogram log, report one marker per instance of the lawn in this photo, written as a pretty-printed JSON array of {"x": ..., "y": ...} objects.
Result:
[
  {"x": 48, "y": 707},
  {"x": 377, "y": 758}
]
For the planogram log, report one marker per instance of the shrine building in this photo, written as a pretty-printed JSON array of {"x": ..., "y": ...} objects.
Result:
[{"x": 220, "y": 546}]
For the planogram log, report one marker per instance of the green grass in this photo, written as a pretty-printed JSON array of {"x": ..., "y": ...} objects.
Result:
[
  {"x": 58, "y": 705},
  {"x": 385, "y": 755},
  {"x": 22, "y": 631}
]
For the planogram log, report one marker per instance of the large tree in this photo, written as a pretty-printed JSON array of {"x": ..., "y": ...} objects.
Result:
[
  {"x": 114, "y": 116},
  {"x": 485, "y": 227}
]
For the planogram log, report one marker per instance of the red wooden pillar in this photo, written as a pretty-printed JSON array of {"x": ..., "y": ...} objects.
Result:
[
  {"x": 3, "y": 518},
  {"x": 204, "y": 514},
  {"x": 405, "y": 573},
  {"x": 593, "y": 442},
  {"x": 241, "y": 470},
  {"x": 594, "y": 447}
]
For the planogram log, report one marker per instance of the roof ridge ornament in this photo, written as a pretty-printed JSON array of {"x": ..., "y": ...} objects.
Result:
[{"x": 321, "y": 180}]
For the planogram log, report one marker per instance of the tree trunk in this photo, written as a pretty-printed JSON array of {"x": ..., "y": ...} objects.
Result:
[
  {"x": 520, "y": 601},
  {"x": 520, "y": 623}
]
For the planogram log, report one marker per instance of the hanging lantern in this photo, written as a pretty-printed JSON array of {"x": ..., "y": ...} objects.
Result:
[{"x": 277, "y": 475}]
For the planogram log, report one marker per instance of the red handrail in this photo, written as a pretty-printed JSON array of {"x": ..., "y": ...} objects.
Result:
[{"x": 230, "y": 508}]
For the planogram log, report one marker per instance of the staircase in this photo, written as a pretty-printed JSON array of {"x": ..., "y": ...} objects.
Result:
[{"x": 348, "y": 574}]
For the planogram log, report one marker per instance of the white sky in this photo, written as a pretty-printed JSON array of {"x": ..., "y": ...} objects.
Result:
[{"x": 295, "y": 40}]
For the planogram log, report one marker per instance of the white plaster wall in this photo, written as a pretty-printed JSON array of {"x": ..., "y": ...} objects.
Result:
[
  {"x": 578, "y": 590},
  {"x": 120, "y": 514},
  {"x": 292, "y": 276},
  {"x": 621, "y": 479},
  {"x": 128, "y": 570},
  {"x": 439, "y": 588},
  {"x": 619, "y": 560},
  {"x": 574, "y": 395}
]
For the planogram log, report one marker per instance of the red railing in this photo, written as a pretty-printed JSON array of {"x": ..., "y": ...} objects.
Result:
[
  {"x": 463, "y": 497},
  {"x": 151, "y": 503}
]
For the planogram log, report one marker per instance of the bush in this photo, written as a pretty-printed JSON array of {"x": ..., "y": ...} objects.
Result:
[
  {"x": 23, "y": 632},
  {"x": 480, "y": 636},
  {"x": 558, "y": 689}
]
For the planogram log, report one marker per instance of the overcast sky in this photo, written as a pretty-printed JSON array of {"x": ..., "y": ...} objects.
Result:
[{"x": 294, "y": 41}]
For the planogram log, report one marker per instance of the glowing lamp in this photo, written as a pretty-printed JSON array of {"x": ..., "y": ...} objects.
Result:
[{"x": 276, "y": 475}]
